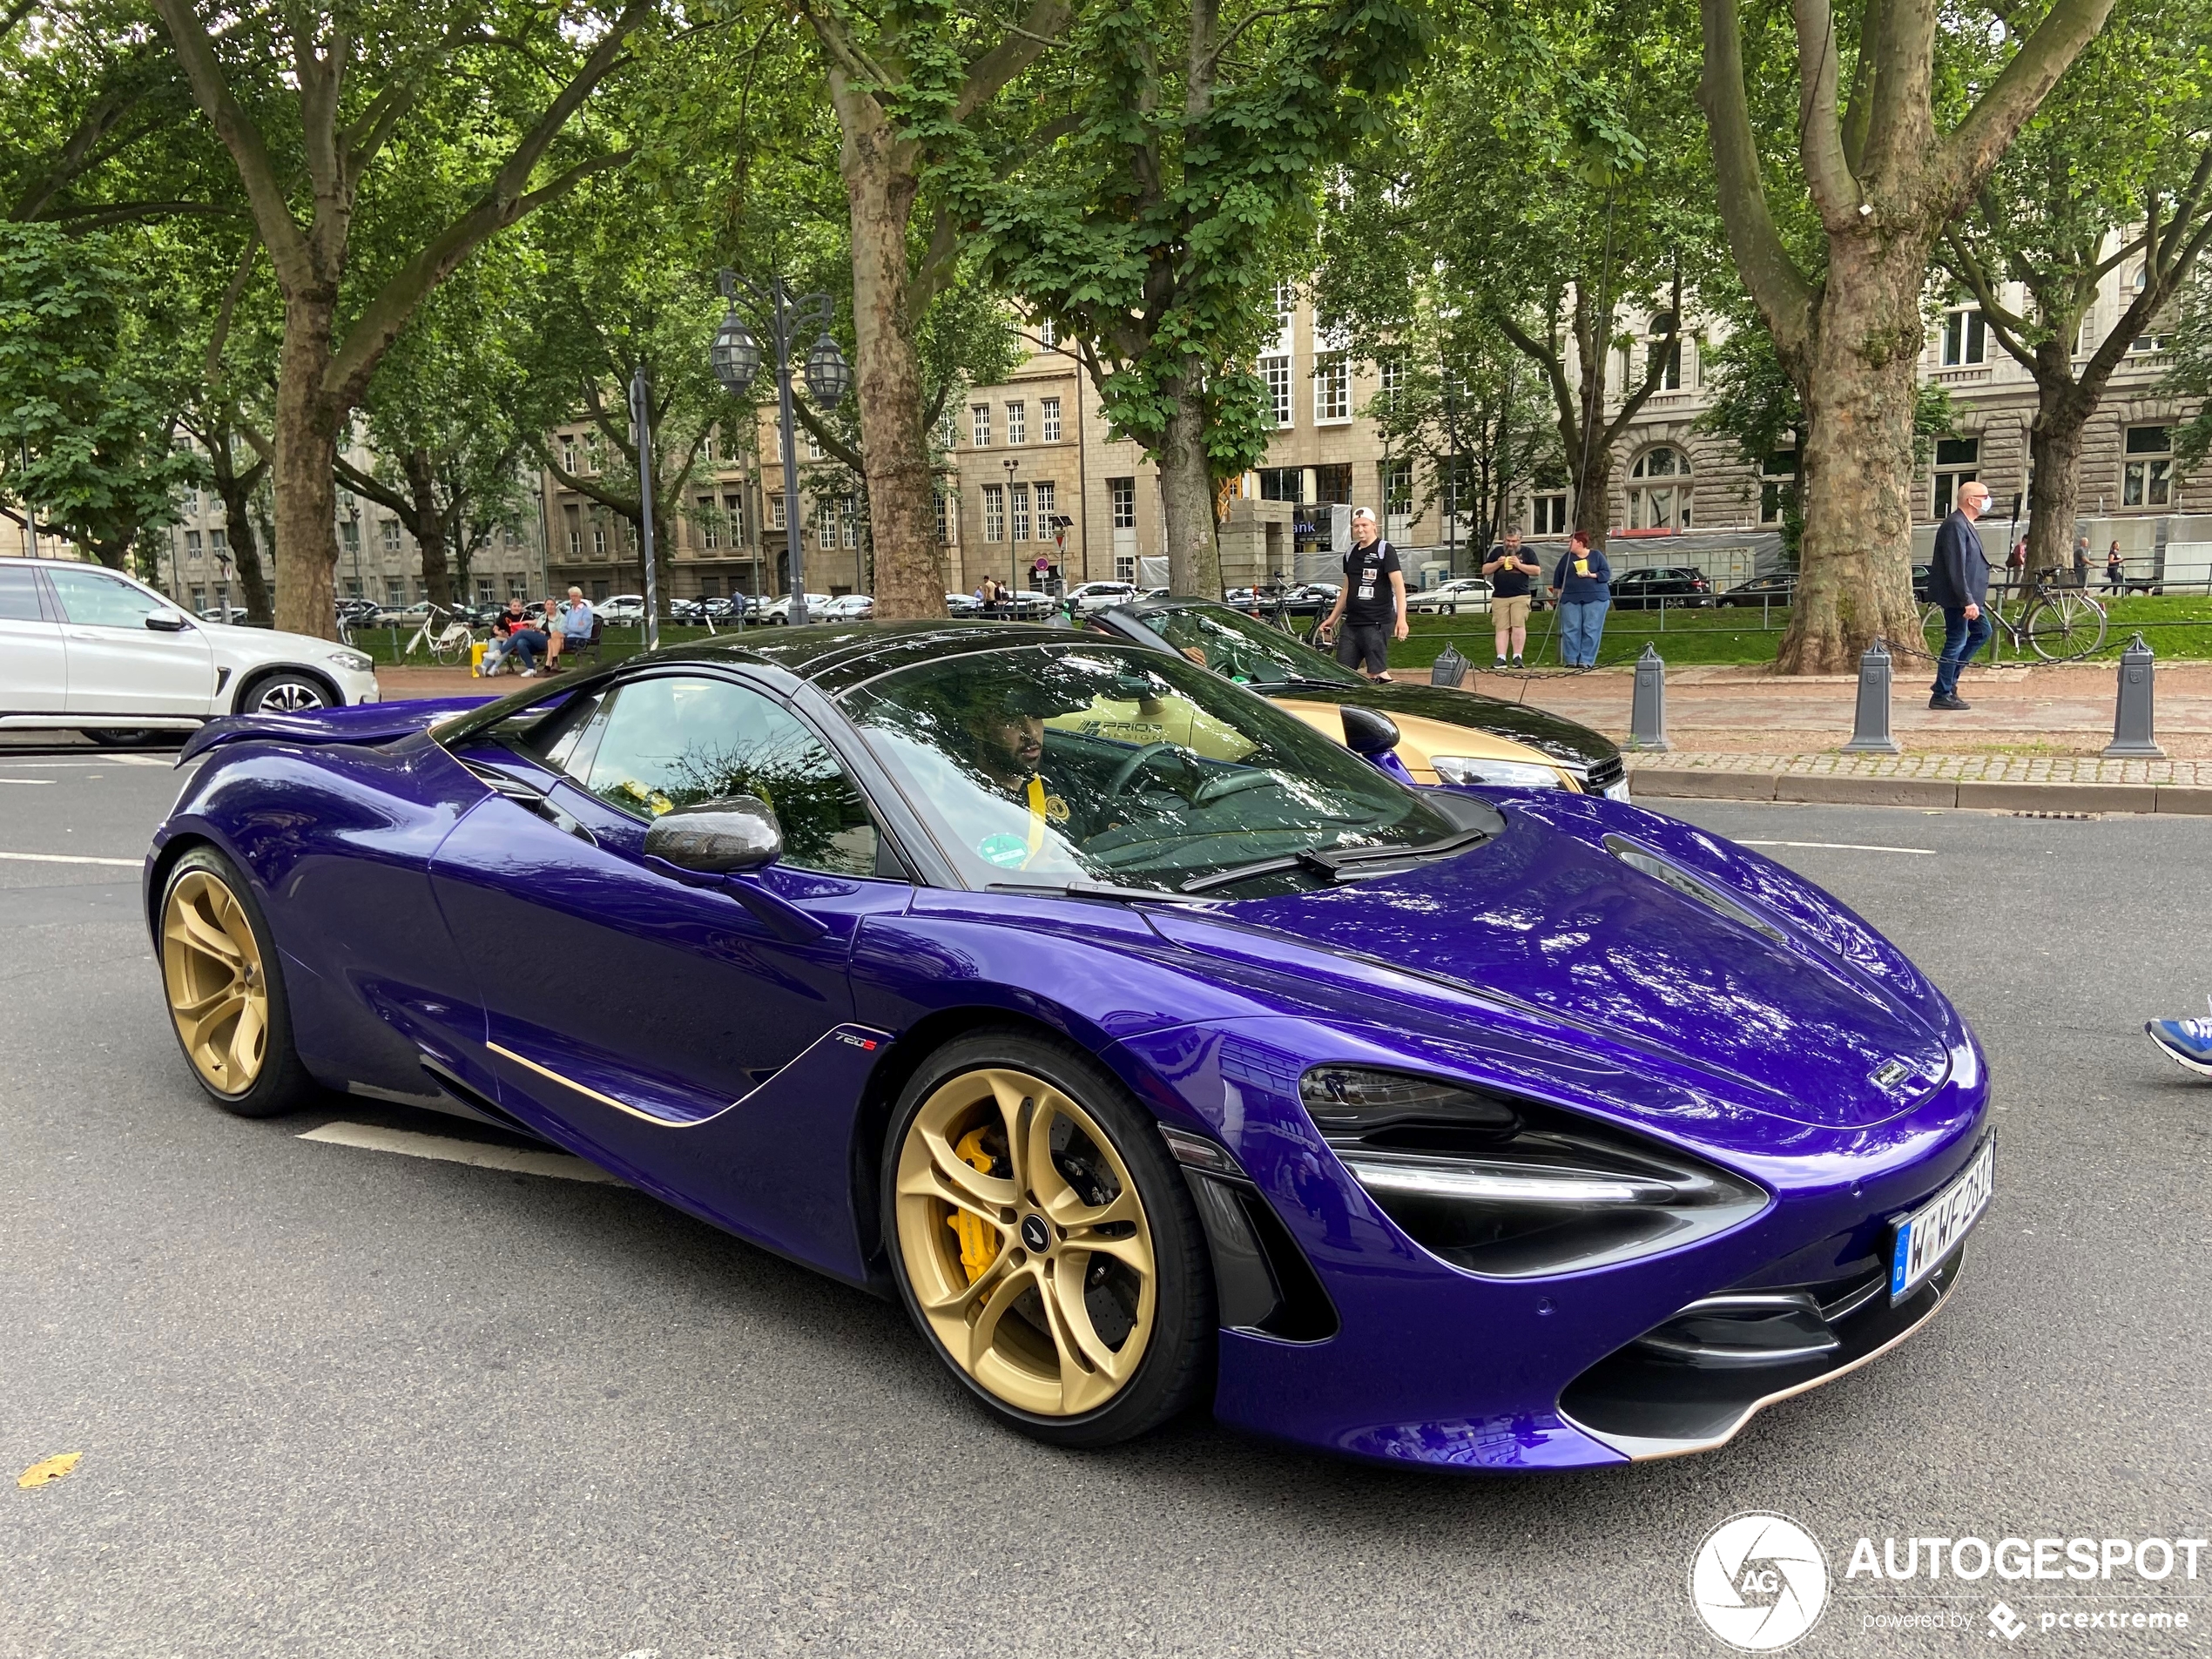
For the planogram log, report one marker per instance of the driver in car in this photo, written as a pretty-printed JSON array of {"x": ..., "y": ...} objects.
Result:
[{"x": 1004, "y": 728}]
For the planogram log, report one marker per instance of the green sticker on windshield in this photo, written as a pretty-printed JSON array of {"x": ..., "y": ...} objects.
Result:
[{"x": 1006, "y": 851}]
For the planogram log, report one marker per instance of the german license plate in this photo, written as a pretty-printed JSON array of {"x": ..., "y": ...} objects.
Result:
[{"x": 1920, "y": 1244}]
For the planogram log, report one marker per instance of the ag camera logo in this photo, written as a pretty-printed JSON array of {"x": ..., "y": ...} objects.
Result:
[{"x": 1759, "y": 1582}]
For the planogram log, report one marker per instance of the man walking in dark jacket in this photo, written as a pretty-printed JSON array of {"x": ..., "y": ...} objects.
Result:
[{"x": 1958, "y": 580}]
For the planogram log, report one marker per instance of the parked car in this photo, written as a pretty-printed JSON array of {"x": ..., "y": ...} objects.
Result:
[
  {"x": 86, "y": 648},
  {"x": 1449, "y": 598},
  {"x": 1441, "y": 737},
  {"x": 401, "y": 616},
  {"x": 962, "y": 605},
  {"x": 621, "y": 607},
  {"x": 1778, "y": 589},
  {"x": 1648, "y": 589},
  {"x": 776, "y": 612},
  {"x": 847, "y": 607},
  {"x": 1921, "y": 574},
  {"x": 1216, "y": 1070},
  {"x": 1098, "y": 596}
]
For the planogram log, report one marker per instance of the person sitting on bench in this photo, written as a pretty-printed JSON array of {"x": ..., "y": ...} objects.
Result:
[{"x": 574, "y": 630}]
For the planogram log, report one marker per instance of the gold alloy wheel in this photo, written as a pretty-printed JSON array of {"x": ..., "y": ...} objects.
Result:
[
  {"x": 218, "y": 993},
  {"x": 1037, "y": 1273}
]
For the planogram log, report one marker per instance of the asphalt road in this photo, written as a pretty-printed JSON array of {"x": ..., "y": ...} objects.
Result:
[{"x": 333, "y": 1401}]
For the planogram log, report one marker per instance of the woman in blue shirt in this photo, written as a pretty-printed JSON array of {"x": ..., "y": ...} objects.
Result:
[{"x": 1582, "y": 585}]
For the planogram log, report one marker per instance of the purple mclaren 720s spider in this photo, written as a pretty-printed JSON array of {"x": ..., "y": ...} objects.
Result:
[{"x": 1151, "y": 1049}]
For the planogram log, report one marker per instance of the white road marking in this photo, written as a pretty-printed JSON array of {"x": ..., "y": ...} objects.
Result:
[
  {"x": 408, "y": 1143},
  {"x": 71, "y": 857},
  {"x": 26, "y": 780},
  {"x": 1848, "y": 846}
]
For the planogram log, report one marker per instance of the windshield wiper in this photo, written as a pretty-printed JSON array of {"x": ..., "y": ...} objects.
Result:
[
  {"x": 1082, "y": 889},
  {"x": 1331, "y": 863}
]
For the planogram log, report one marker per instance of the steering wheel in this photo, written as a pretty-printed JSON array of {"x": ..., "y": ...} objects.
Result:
[{"x": 1137, "y": 763}]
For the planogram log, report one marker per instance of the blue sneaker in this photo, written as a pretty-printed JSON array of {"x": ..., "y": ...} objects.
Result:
[{"x": 2190, "y": 1041}]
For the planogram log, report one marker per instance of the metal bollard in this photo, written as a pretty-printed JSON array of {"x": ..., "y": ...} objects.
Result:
[
  {"x": 2131, "y": 717},
  {"x": 1871, "y": 729},
  {"x": 1449, "y": 669},
  {"x": 1647, "y": 711}
]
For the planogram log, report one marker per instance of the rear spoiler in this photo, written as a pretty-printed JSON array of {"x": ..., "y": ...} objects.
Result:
[{"x": 365, "y": 722}]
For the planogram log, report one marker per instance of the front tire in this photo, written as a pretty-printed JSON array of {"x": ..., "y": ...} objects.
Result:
[
  {"x": 226, "y": 996},
  {"x": 287, "y": 692},
  {"x": 1044, "y": 1243}
]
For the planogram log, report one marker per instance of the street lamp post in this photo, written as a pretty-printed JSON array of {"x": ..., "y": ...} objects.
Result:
[
  {"x": 1013, "y": 547},
  {"x": 641, "y": 423},
  {"x": 736, "y": 357}
]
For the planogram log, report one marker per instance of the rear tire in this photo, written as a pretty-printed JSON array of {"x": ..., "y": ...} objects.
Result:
[
  {"x": 226, "y": 991},
  {"x": 110, "y": 739},
  {"x": 991, "y": 1263}
]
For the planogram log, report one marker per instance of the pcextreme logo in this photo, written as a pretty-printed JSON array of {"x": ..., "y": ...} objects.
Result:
[{"x": 1759, "y": 1582}]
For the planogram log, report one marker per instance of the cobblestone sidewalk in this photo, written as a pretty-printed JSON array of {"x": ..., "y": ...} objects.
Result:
[{"x": 2006, "y": 769}]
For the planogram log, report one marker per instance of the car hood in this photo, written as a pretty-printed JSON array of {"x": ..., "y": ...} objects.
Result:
[
  {"x": 1548, "y": 733},
  {"x": 1551, "y": 923},
  {"x": 364, "y": 723}
]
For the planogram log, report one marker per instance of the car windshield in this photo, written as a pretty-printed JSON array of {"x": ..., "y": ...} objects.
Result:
[
  {"x": 1243, "y": 647},
  {"x": 1093, "y": 762}
]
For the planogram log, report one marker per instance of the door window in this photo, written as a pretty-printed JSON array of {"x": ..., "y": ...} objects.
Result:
[
  {"x": 92, "y": 598},
  {"x": 19, "y": 595},
  {"x": 674, "y": 740}
]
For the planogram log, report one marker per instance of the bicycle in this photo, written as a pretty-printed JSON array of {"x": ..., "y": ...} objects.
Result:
[
  {"x": 453, "y": 641},
  {"x": 2058, "y": 625}
]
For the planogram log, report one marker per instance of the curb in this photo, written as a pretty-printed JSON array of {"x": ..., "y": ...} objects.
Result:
[{"x": 1660, "y": 783}]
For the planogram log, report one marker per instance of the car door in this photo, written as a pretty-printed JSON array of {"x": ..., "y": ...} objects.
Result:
[
  {"x": 34, "y": 676},
  {"x": 612, "y": 987},
  {"x": 129, "y": 650}
]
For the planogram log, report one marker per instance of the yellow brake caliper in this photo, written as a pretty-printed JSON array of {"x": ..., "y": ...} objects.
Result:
[{"x": 979, "y": 1243}]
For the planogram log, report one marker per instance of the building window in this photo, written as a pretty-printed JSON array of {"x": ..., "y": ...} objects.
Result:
[
  {"x": 350, "y": 534},
  {"x": 979, "y": 418},
  {"x": 2146, "y": 474},
  {"x": 598, "y": 592},
  {"x": 709, "y": 587},
  {"x": 390, "y": 529},
  {"x": 1049, "y": 420},
  {"x": 1965, "y": 338},
  {"x": 1282, "y": 483},
  {"x": 199, "y": 598},
  {"x": 813, "y": 446},
  {"x": 944, "y": 518},
  {"x": 1777, "y": 485},
  {"x": 1047, "y": 494},
  {"x": 483, "y": 590},
  {"x": 1021, "y": 495},
  {"x": 1548, "y": 513},
  {"x": 395, "y": 590},
  {"x": 1276, "y": 371},
  {"x": 1398, "y": 497},
  {"x": 1017, "y": 423},
  {"x": 1125, "y": 567},
  {"x": 1331, "y": 388},
  {"x": 575, "y": 532},
  {"x": 218, "y": 544},
  {"x": 776, "y": 513},
  {"x": 1121, "y": 494},
  {"x": 1332, "y": 485},
  {"x": 826, "y": 523},
  {"x": 849, "y": 522},
  {"x": 707, "y": 537},
  {"x": 1957, "y": 462},
  {"x": 995, "y": 512},
  {"x": 191, "y": 544},
  {"x": 568, "y": 454},
  {"x": 1668, "y": 353},
  {"x": 734, "y": 516},
  {"x": 598, "y": 538},
  {"x": 1391, "y": 373},
  {"x": 1285, "y": 304},
  {"x": 1659, "y": 490},
  {"x": 1047, "y": 335},
  {"x": 948, "y": 431}
]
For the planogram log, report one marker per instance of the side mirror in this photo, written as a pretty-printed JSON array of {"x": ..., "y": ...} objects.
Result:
[
  {"x": 167, "y": 622},
  {"x": 1366, "y": 732},
  {"x": 725, "y": 836}
]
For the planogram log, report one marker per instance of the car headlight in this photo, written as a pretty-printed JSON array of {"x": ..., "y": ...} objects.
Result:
[
  {"x": 1508, "y": 774},
  {"x": 360, "y": 662},
  {"x": 1514, "y": 1187}
]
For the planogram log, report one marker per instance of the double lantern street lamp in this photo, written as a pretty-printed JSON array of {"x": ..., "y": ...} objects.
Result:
[{"x": 736, "y": 357}]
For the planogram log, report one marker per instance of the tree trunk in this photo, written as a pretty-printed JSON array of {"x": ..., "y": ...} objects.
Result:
[
  {"x": 1186, "y": 501},
  {"x": 1858, "y": 386},
  {"x": 308, "y": 422},
  {"x": 427, "y": 525},
  {"x": 246, "y": 551},
  {"x": 2062, "y": 412},
  {"x": 880, "y": 184}
]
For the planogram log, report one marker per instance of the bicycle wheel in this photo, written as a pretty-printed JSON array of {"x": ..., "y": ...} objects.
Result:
[
  {"x": 1931, "y": 630},
  {"x": 2065, "y": 628}
]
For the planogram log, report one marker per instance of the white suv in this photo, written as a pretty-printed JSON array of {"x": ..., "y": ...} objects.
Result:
[{"x": 85, "y": 648}]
